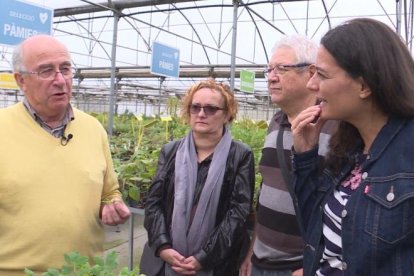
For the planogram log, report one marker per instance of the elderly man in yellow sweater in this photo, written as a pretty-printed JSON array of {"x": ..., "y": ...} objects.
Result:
[{"x": 57, "y": 182}]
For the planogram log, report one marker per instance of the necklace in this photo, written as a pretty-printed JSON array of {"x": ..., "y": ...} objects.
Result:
[{"x": 354, "y": 178}]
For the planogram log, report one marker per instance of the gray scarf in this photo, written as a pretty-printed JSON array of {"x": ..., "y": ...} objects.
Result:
[{"x": 188, "y": 240}]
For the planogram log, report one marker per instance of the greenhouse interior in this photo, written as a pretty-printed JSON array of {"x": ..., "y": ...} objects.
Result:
[
  {"x": 111, "y": 45},
  {"x": 112, "y": 49}
]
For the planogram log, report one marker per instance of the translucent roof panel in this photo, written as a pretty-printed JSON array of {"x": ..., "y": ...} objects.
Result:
[{"x": 201, "y": 30}]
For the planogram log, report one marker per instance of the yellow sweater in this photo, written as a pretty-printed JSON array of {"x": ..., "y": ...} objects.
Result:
[{"x": 50, "y": 195}]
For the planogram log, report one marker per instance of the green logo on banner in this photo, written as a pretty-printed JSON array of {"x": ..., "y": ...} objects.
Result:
[{"x": 247, "y": 81}]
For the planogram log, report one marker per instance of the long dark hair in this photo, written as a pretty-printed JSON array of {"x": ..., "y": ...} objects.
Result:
[{"x": 370, "y": 49}]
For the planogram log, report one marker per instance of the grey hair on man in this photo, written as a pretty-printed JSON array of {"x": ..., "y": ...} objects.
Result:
[{"x": 304, "y": 48}]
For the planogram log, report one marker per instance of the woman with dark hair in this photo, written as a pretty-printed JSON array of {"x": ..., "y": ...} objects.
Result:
[
  {"x": 358, "y": 214},
  {"x": 202, "y": 192}
]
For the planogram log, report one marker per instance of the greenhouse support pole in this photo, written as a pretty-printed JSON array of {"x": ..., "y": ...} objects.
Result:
[
  {"x": 131, "y": 241},
  {"x": 398, "y": 11},
  {"x": 233, "y": 45},
  {"x": 162, "y": 79},
  {"x": 134, "y": 211},
  {"x": 113, "y": 64}
]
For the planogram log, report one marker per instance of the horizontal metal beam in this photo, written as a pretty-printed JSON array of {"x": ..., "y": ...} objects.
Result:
[
  {"x": 115, "y": 5},
  {"x": 186, "y": 71},
  {"x": 125, "y": 4}
]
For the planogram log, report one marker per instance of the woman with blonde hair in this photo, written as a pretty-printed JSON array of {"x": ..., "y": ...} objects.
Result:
[{"x": 202, "y": 192}]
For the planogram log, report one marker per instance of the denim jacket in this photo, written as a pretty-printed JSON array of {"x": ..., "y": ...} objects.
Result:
[{"x": 378, "y": 220}]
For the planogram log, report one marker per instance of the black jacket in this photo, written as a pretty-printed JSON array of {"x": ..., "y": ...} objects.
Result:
[{"x": 227, "y": 245}]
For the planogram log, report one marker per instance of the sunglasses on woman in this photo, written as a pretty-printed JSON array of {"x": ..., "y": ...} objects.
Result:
[{"x": 207, "y": 109}]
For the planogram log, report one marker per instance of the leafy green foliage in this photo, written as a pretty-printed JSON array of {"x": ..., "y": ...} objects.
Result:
[
  {"x": 78, "y": 265},
  {"x": 137, "y": 141},
  {"x": 252, "y": 133}
]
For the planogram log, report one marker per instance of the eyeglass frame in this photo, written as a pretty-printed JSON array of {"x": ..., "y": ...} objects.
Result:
[
  {"x": 209, "y": 110},
  {"x": 281, "y": 69},
  {"x": 53, "y": 73}
]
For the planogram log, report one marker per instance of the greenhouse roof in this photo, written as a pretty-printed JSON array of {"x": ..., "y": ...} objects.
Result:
[{"x": 201, "y": 30}]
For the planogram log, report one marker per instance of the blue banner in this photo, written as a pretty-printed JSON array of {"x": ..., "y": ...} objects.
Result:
[
  {"x": 165, "y": 60},
  {"x": 20, "y": 20}
]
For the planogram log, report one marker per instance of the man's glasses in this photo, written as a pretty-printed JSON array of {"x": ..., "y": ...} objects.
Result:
[
  {"x": 50, "y": 73},
  {"x": 281, "y": 69},
  {"x": 207, "y": 109}
]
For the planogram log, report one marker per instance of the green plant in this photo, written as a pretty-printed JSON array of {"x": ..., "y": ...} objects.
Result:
[
  {"x": 78, "y": 265},
  {"x": 137, "y": 141},
  {"x": 173, "y": 106},
  {"x": 136, "y": 173},
  {"x": 253, "y": 134}
]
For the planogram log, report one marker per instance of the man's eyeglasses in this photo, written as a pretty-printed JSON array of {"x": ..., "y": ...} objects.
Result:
[
  {"x": 283, "y": 68},
  {"x": 50, "y": 73},
  {"x": 207, "y": 109}
]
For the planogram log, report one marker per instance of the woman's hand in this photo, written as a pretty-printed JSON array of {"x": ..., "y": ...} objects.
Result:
[
  {"x": 306, "y": 128},
  {"x": 298, "y": 272},
  {"x": 246, "y": 266},
  {"x": 189, "y": 266},
  {"x": 179, "y": 264}
]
